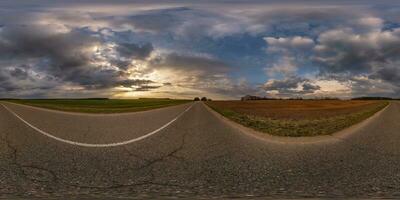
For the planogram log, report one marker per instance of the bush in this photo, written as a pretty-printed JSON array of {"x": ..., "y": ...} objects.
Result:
[
  {"x": 204, "y": 98},
  {"x": 197, "y": 99}
]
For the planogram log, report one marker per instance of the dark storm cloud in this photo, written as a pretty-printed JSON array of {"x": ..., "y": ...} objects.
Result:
[
  {"x": 121, "y": 64},
  {"x": 66, "y": 56},
  {"x": 17, "y": 80},
  {"x": 146, "y": 88},
  {"x": 6, "y": 85},
  {"x": 19, "y": 73},
  {"x": 42, "y": 41},
  {"x": 290, "y": 86},
  {"x": 343, "y": 50},
  {"x": 343, "y": 54},
  {"x": 92, "y": 78},
  {"x": 389, "y": 73},
  {"x": 59, "y": 52},
  {"x": 131, "y": 50},
  {"x": 308, "y": 87}
]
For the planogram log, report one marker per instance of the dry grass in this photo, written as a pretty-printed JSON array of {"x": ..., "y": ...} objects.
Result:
[{"x": 297, "y": 117}]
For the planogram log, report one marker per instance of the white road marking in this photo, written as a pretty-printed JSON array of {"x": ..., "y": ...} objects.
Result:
[{"x": 96, "y": 145}]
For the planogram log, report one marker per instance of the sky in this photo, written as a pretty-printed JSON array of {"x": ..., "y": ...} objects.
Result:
[{"x": 182, "y": 49}]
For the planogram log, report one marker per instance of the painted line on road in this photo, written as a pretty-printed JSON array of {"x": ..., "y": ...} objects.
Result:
[{"x": 96, "y": 145}]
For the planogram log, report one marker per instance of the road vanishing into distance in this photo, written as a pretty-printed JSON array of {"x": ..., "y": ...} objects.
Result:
[{"x": 188, "y": 151}]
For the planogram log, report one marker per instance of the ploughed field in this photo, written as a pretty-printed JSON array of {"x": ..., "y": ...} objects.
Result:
[
  {"x": 298, "y": 117},
  {"x": 101, "y": 105}
]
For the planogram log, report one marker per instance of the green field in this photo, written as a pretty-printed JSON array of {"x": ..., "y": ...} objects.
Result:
[{"x": 100, "y": 105}]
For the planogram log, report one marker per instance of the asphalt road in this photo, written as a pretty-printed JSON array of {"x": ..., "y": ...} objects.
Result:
[{"x": 196, "y": 155}]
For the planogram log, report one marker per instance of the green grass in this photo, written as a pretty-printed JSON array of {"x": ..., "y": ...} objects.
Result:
[
  {"x": 298, "y": 128},
  {"x": 101, "y": 105}
]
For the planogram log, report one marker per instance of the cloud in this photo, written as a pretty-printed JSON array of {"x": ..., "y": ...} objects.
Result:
[
  {"x": 6, "y": 85},
  {"x": 154, "y": 20},
  {"x": 200, "y": 72},
  {"x": 186, "y": 22},
  {"x": 215, "y": 48},
  {"x": 310, "y": 88},
  {"x": 362, "y": 48},
  {"x": 68, "y": 56},
  {"x": 291, "y": 86},
  {"x": 19, "y": 73},
  {"x": 131, "y": 50},
  {"x": 290, "y": 53},
  {"x": 390, "y": 73},
  {"x": 285, "y": 66},
  {"x": 194, "y": 63},
  {"x": 361, "y": 85},
  {"x": 369, "y": 23},
  {"x": 344, "y": 54},
  {"x": 19, "y": 80},
  {"x": 343, "y": 50},
  {"x": 284, "y": 45}
]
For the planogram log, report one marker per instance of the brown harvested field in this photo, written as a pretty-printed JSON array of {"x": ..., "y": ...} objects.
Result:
[
  {"x": 294, "y": 109},
  {"x": 298, "y": 117}
]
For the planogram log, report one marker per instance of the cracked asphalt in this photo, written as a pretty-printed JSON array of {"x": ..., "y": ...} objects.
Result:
[{"x": 197, "y": 156}]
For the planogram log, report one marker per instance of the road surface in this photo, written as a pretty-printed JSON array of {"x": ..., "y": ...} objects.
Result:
[{"x": 187, "y": 151}]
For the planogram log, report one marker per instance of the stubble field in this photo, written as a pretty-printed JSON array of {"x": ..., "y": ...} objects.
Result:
[{"x": 297, "y": 117}]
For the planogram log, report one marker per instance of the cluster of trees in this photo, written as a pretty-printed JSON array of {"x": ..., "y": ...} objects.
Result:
[{"x": 202, "y": 99}]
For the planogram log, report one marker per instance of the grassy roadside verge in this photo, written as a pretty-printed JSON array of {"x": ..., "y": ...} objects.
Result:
[
  {"x": 298, "y": 128},
  {"x": 100, "y": 105}
]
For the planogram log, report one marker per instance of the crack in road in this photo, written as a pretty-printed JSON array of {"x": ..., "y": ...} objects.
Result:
[
  {"x": 148, "y": 165},
  {"x": 33, "y": 178},
  {"x": 162, "y": 158},
  {"x": 22, "y": 167}
]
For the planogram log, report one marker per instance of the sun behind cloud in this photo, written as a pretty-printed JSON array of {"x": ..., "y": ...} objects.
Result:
[{"x": 186, "y": 49}]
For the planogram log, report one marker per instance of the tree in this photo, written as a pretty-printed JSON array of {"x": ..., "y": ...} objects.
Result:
[
  {"x": 204, "y": 98},
  {"x": 197, "y": 99}
]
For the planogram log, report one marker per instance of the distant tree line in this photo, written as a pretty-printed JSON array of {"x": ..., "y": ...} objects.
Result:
[
  {"x": 374, "y": 98},
  {"x": 254, "y": 98},
  {"x": 202, "y": 99}
]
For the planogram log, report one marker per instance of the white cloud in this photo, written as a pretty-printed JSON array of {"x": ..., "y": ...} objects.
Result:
[
  {"x": 369, "y": 23},
  {"x": 282, "y": 44},
  {"x": 284, "y": 66}
]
